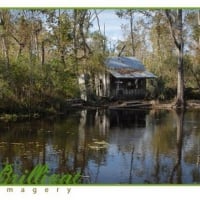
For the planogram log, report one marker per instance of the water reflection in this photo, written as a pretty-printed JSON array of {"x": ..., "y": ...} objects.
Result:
[
  {"x": 179, "y": 114},
  {"x": 109, "y": 146}
]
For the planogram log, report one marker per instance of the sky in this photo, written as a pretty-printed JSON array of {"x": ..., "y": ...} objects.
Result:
[{"x": 112, "y": 23}]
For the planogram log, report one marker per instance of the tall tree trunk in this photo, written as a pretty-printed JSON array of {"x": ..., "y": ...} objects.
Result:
[
  {"x": 198, "y": 19},
  {"x": 180, "y": 83},
  {"x": 43, "y": 53},
  {"x": 75, "y": 41},
  {"x": 82, "y": 19},
  {"x": 6, "y": 52},
  {"x": 176, "y": 28},
  {"x": 132, "y": 34},
  {"x": 100, "y": 32},
  {"x": 4, "y": 21},
  {"x": 36, "y": 45},
  {"x": 60, "y": 41}
]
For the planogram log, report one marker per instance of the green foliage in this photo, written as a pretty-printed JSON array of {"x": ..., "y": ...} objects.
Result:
[
  {"x": 5, "y": 91},
  {"x": 43, "y": 52},
  {"x": 39, "y": 175},
  {"x": 8, "y": 117}
]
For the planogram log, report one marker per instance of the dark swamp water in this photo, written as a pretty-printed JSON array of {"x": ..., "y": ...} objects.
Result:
[{"x": 109, "y": 146}]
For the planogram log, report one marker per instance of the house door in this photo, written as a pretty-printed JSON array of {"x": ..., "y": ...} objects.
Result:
[{"x": 119, "y": 89}]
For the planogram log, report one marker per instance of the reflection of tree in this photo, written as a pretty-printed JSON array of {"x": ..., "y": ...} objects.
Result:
[
  {"x": 196, "y": 170},
  {"x": 62, "y": 143},
  {"x": 177, "y": 167},
  {"x": 164, "y": 144},
  {"x": 154, "y": 156},
  {"x": 157, "y": 165},
  {"x": 20, "y": 146},
  {"x": 131, "y": 166},
  {"x": 127, "y": 118},
  {"x": 80, "y": 147},
  {"x": 196, "y": 174}
]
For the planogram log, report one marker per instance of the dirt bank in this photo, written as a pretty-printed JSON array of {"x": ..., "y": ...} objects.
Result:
[{"x": 190, "y": 104}]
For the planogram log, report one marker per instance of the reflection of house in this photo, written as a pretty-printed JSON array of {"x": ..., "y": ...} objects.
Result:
[
  {"x": 124, "y": 78},
  {"x": 127, "y": 118}
]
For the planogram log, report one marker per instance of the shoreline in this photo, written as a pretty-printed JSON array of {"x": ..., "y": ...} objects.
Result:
[
  {"x": 190, "y": 104},
  {"x": 151, "y": 104}
]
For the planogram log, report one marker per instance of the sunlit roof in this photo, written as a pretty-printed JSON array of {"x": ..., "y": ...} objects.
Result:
[{"x": 127, "y": 67}]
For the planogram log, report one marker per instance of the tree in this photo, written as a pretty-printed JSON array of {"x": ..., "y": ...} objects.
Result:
[
  {"x": 129, "y": 14},
  {"x": 193, "y": 67},
  {"x": 135, "y": 24},
  {"x": 176, "y": 28},
  {"x": 161, "y": 57},
  {"x": 4, "y": 33}
]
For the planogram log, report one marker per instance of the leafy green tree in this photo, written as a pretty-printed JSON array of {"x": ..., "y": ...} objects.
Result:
[
  {"x": 193, "y": 67},
  {"x": 4, "y": 35},
  {"x": 161, "y": 58}
]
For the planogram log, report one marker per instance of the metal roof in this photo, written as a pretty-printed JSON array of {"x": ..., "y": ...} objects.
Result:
[
  {"x": 127, "y": 67},
  {"x": 134, "y": 74},
  {"x": 125, "y": 62}
]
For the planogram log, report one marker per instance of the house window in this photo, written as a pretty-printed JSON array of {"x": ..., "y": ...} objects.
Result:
[
  {"x": 129, "y": 85},
  {"x": 136, "y": 83}
]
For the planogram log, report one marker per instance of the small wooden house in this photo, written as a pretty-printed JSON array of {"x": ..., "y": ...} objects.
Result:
[{"x": 124, "y": 78}]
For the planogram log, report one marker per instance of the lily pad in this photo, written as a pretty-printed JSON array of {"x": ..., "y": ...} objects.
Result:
[
  {"x": 97, "y": 145},
  {"x": 101, "y": 142}
]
